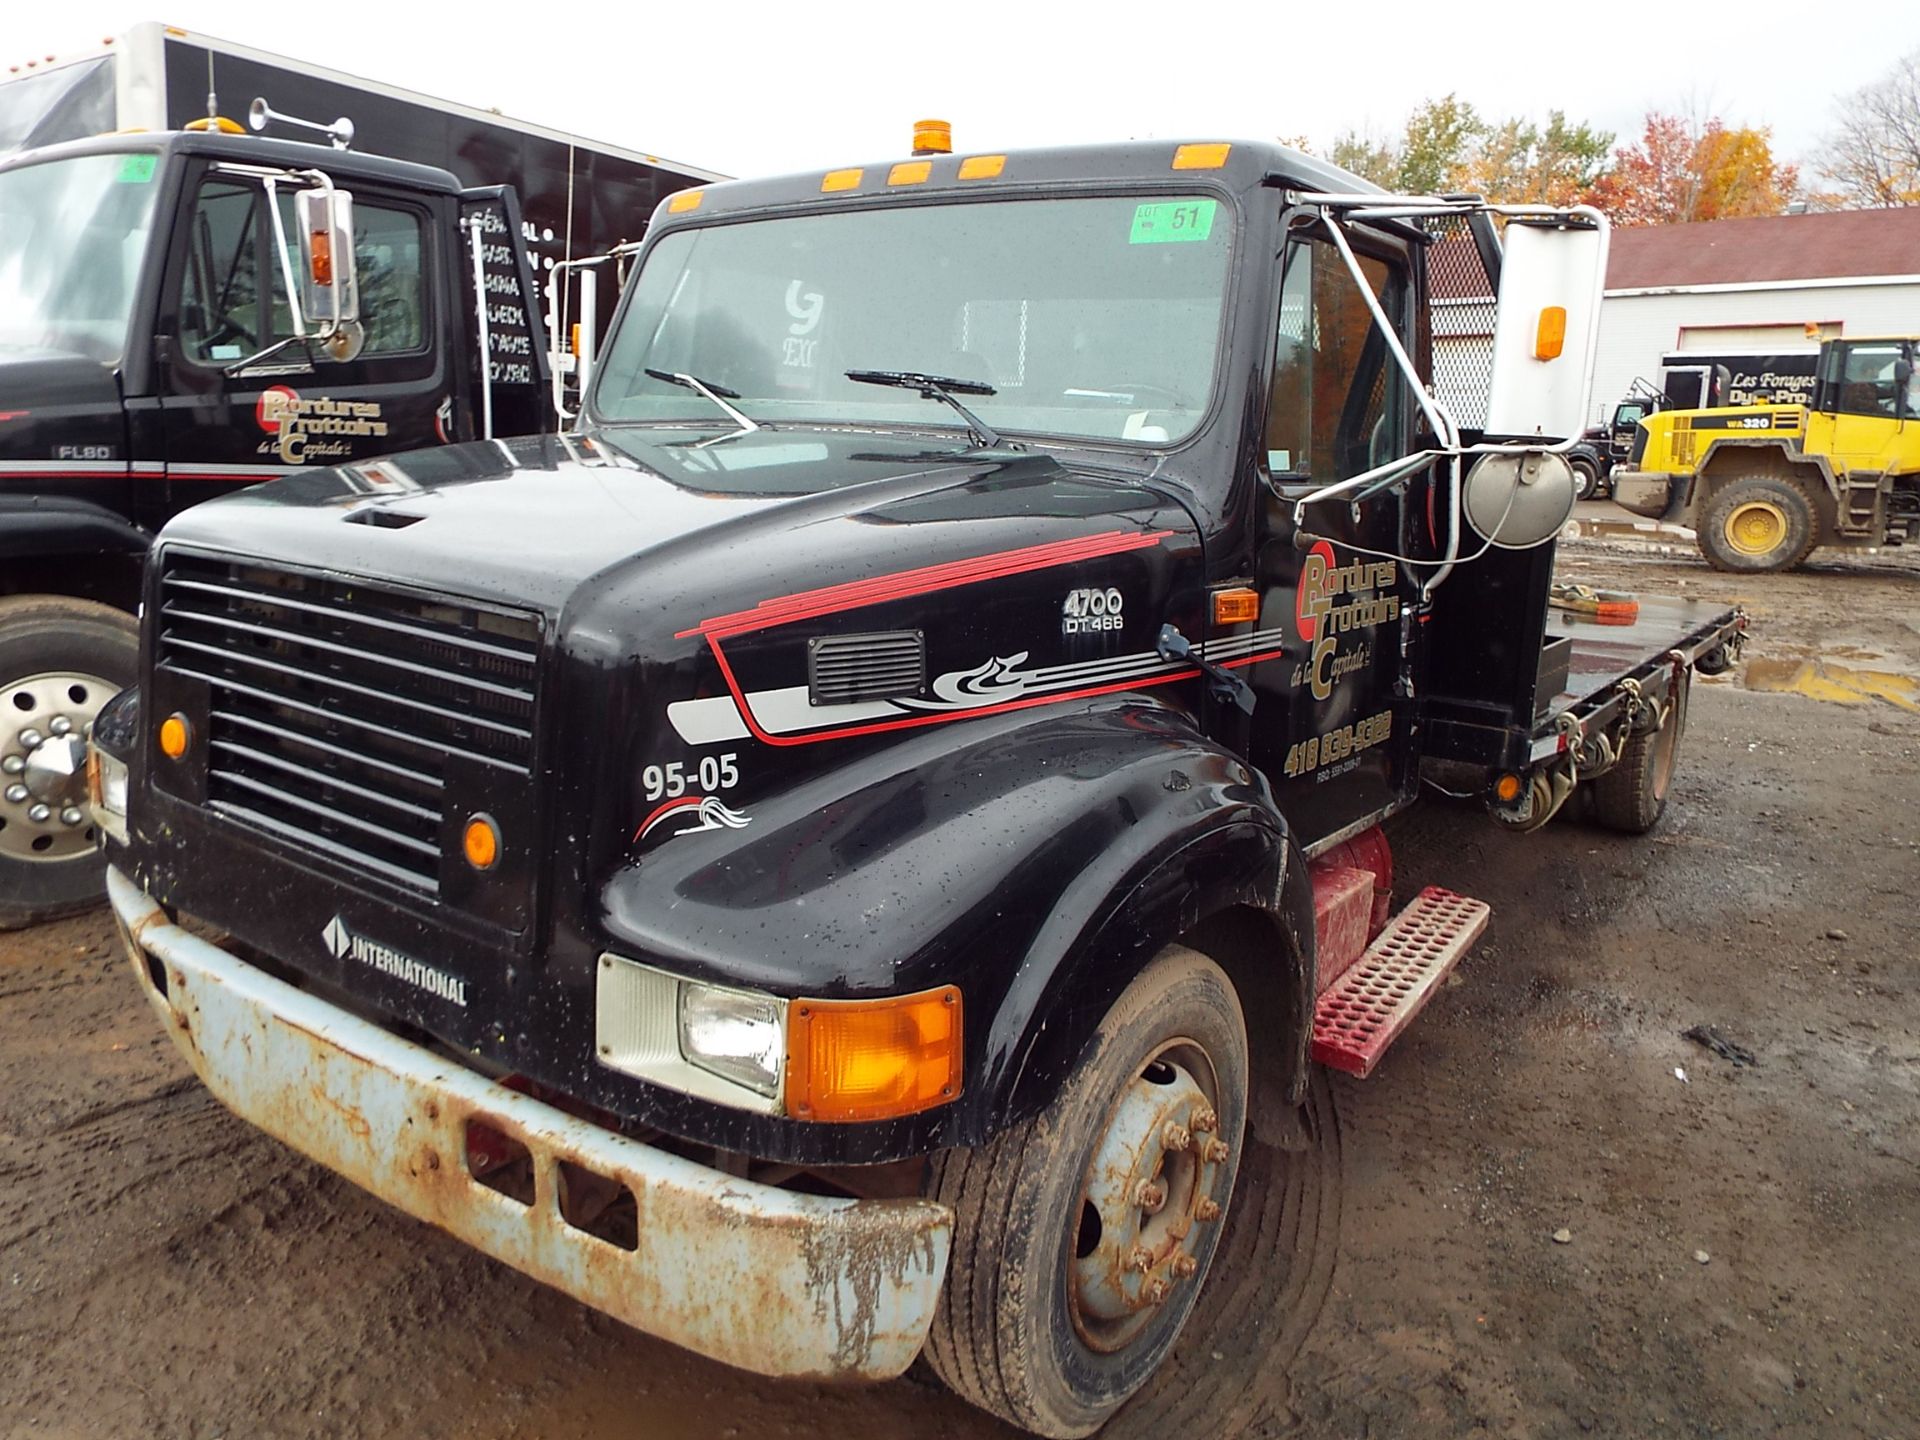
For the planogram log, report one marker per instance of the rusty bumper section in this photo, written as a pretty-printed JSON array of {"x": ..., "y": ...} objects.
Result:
[{"x": 766, "y": 1279}]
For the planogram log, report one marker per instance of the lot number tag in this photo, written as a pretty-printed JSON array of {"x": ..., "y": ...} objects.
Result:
[{"x": 1165, "y": 222}]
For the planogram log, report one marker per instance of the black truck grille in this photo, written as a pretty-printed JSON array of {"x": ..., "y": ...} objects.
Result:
[{"x": 338, "y": 708}]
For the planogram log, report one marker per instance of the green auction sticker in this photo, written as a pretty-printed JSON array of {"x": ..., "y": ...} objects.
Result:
[
  {"x": 1165, "y": 222},
  {"x": 137, "y": 169}
]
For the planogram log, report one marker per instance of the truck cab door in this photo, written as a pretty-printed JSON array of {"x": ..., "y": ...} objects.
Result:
[
  {"x": 1329, "y": 727},
  {"x": 225, "y": 299},
  {"x": 1866, "y": 418}
]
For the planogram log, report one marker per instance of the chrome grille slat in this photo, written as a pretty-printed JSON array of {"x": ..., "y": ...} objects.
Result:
[
  {"x": 363, "y": 692},
  {"x": 271, "y": 632},
  {"x": 368, "y": 726},
  {"x": 464, "y": 642},
  {"x": 336, "y": 706},
  {"x": 317, "y": 842},
  {"x": 329, "y": 813},
  {"x": 293, "y": 737},
  {"x": 320, "y": 777}
]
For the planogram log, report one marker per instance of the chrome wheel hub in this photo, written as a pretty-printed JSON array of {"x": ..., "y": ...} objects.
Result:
[
  {"x": 44, "y": 723},
  {"x": 1150, "y": 1189}
]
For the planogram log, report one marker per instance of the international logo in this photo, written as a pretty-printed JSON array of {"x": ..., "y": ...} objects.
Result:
[{"x": 343, "y": 944}]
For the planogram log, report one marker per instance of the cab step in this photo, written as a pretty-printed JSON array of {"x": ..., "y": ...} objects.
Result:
[{"x": 1360, "y": 1014}]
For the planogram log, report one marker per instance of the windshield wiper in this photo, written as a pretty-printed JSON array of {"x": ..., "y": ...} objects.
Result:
[
  {"x": 939, "y": 387},
  {"x": 718, "y": 394}
]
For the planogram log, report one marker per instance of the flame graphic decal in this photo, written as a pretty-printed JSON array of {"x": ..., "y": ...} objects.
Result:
[{"x": 705, "y": 811}]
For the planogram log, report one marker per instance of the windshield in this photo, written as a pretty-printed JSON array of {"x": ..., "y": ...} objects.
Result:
[
  {"x": 1097, "y": 318},
  {"x": 72, "y": 234}
]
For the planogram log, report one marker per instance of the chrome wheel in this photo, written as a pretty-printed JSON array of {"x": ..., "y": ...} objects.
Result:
[{"x": 44, "y": 723}]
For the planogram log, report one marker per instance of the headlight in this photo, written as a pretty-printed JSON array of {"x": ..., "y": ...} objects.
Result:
[
  {"x": 107, "y": 792},
  {"x": 734, "y": 1034}
]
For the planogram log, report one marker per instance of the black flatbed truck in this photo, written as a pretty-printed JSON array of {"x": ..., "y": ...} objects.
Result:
[
  {"x": 826, "y": 863},
  {"x": 121, "y": 397}
]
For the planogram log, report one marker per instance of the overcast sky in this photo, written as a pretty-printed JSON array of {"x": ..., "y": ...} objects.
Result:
[{"x": 750, "y": 88}]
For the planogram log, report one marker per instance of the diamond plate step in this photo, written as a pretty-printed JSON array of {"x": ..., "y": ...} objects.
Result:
[{"x": 1363, "y": 1011}]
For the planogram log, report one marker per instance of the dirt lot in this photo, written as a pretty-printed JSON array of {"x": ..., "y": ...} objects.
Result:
[{"x": 165, "y": 1271}]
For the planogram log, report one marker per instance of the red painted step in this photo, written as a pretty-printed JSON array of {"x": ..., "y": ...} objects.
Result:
[
  {"x": 1361, "y": 1013},
  {"x": 1342, "y": 919}
]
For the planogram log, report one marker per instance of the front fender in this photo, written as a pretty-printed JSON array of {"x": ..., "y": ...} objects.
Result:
[
  {"x": 1035, "y": 859},
  {"x": 35, "y": 526}
]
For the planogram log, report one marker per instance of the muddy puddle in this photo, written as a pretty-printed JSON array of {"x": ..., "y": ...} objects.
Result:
[{"x": 1822, "y": 678}]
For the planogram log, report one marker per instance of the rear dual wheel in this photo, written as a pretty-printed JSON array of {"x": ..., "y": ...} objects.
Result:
[
  {"x": 1082, "y": 1236},
  {"x": 1632, "y": 796}
]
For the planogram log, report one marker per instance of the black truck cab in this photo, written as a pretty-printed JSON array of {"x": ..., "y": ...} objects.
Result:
[
  {"x": 149, "y": 361},
  {"x": 890, "y": 800}
]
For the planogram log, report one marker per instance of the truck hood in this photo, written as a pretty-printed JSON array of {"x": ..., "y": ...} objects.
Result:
[{"x": 529, "y": 522}]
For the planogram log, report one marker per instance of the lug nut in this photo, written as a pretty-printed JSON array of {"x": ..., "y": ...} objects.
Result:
[
  {"x": 30, "y": 739},
  {"x": 1175, "y": 1136},
  {"x": 14, "y": 764},
  {"x": 1150, "y": 1196},
  {"x": 16, "y": 794},
  {"x": 60, "y": 725},
  {"x": 71, "y": 815},
  {"x": 1205, "y": 1122},
  {"x": 1215, "y": 1151},
  {"x": 1140, "y": 1259},
  {"x": 1206, "y": 1208},
  {"x": 40, "y": 813},
  {"x": 1155, "y": 1291},
  {"x": 1183, "y": 1265}
]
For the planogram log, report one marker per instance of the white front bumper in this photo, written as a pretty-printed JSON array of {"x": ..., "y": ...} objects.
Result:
[{"x": 762, "y": 1278}]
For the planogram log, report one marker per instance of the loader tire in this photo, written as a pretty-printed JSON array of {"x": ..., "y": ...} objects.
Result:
[{"x": 1758, "y": 525}]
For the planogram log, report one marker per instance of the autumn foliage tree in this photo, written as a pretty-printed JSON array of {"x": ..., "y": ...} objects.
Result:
[
  {"x": 1682, "y": 170},
  {"x": 1679, "y": 169}
]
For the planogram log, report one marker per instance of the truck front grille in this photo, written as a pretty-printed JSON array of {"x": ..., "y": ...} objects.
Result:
[{"x": 337, "y": 708}]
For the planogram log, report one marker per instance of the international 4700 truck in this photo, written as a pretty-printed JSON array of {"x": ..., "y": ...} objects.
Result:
[
  {"x": 151, "y": 356},
  {"x": 841, "y": 854}
]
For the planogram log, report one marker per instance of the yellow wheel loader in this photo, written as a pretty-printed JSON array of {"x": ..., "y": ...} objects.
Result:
[{"x": 1762, "y": 486}]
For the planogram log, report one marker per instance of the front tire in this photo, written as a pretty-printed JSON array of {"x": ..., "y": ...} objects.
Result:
[
  {"x": 1082, "y": 1236},
  {"x": 1586, "y": 478},
  {"x": 60, "y": 661},
  {"x": 1757, "y": 525}
]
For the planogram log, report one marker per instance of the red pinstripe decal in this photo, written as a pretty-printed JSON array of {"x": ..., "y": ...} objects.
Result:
[
  {"x": 6, "y": 474},
  {"x": 808, "y": 604}
]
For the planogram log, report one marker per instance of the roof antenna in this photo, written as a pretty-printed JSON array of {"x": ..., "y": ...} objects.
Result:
[{"x": 213, "y": 100}]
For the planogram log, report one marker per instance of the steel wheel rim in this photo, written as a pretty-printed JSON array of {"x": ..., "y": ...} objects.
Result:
[
  {"x": 45, "y": 720},
  {"x": 1114, "y": 1296},
  {"x": 1756, "y": 527}
]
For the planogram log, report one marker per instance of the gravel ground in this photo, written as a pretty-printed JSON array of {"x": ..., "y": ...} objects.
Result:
[{"x": 1525, "y": 1224}]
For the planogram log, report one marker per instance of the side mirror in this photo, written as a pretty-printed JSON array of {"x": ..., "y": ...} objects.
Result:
[
  {"x": 1545, "y": 330},
  {"x": 329, "y": 285}
]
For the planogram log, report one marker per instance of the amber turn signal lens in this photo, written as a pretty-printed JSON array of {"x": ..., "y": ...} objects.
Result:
[
  {"x": 873, "y": 1059},
  {"x": 321, "y": 249},
  {"x": 1550, "y": 336},
  {"x": 1507, "y": 789},
  {"x": 481, "y": 842},
  {"x": 175, "y": 735},
  {"x": 1235, "y": 607}
]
